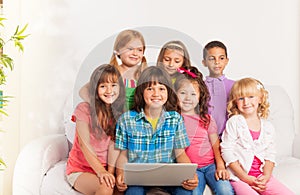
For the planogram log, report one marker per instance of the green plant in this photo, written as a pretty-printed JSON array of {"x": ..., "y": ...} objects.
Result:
[{"x": 7, "y": 64}]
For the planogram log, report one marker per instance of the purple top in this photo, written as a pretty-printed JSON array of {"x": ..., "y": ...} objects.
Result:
[{"x": 219, "y": 89}]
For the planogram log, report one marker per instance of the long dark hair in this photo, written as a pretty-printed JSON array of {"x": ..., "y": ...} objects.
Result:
[
  {"x": 152, "y": 75},
  {"x": 104, "y": 116}
]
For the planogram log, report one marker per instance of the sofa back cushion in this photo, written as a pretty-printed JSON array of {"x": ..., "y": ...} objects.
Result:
[{"x": 282, "y": 117}]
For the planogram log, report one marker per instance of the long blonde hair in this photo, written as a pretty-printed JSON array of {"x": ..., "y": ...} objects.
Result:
[
  {"x": 121, "y": 41},
  {"x": 247, "y": 87}
]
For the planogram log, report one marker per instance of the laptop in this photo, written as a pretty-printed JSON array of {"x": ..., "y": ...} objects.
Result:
[{"x": 158, "y": 174}]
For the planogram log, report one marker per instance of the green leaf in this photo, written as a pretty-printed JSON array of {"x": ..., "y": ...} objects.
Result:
[
  {"x": 22, "y": 30},
  {"x": 7, "y": 61},
  {"x": 2, "y": 164},
  {"x": 3, "y": 112}
]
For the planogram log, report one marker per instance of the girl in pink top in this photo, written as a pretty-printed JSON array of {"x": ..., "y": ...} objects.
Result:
[
  {"x": 202, "y": 132},
  {"x": 248, "y": 146},
  {"x": 88, "y": 170}
]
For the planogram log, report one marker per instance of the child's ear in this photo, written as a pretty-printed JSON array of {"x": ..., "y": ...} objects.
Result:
[{"x": 204, "y": 63}]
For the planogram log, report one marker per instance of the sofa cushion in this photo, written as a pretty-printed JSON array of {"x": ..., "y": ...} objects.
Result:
[
  {"x": 287, "y": 171},
  {"x": 54, "y": 182}
]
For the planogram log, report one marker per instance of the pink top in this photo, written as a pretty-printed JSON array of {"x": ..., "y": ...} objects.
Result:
[
  {"x": 255, "y": 168},
  {"x": 200, "y": 150},
  {"x": 76, "y": 161}
]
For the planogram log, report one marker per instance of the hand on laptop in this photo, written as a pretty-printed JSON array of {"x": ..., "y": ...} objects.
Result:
[{"x": 190, "y": 184}]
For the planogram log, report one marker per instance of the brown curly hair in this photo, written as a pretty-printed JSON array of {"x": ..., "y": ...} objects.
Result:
[{"x": 204, "y": 97}]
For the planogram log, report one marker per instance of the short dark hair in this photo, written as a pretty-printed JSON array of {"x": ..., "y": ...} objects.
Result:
[
  {"x": 213, "y": 44},
  {"x": 152, "y": 75}
]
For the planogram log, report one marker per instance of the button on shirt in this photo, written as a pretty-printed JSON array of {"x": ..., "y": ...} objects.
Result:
[
  {"x": 135, "y": 134},
  {"x": 219, "y": 89}
]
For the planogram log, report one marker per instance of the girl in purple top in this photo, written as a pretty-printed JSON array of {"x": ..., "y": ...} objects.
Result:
[{"x": 215, "y": 59}]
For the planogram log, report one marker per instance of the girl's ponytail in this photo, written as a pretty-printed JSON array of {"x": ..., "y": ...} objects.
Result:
[
  {"x": 141, "y": 68},
  {"x": 114, "y": 62}
]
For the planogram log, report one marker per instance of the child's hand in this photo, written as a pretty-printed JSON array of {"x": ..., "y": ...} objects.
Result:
[
  {"x": 120, "y": 183},
  {"x": 191, "y": 184},
  {"x": 222, "y": 173},
  {"x": 108, "y": 178},
  {"x": 255, "y": 183},
  {"x": 260, "y": 183}
]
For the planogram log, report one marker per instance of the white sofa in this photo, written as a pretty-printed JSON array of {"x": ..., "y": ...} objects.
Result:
[{"x": 41, "y": 163}]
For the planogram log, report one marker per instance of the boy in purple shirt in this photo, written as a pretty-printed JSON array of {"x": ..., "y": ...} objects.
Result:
[{"x": 215, "y": 59}]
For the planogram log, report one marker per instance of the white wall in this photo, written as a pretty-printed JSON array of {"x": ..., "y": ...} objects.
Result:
[{"x": 262, "y": 39}]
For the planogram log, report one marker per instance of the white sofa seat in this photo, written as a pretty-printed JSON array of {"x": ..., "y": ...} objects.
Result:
[{"x": 40, "y": 165}]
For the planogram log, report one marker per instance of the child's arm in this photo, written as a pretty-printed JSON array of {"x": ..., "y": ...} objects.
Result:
[
  {"x": 122, "y": 159},
  {"x": 181, "y": 157},
  {"x": 84, "y": 92},
  {"x": 113, "y": 154},
  {"x": 90, "y": 156},
  {"x": 267, "y": 171},
  {"x": 221, "y": 172}
]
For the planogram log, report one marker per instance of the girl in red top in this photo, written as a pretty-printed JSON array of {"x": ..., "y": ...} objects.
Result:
[{"x": 88, "y": 169}]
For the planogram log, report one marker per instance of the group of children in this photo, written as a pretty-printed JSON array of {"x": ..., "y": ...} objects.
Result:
[{"x": 172, "y": 115}]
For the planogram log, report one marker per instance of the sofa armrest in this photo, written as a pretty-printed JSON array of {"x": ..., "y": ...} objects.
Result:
[
  {"x": 296, "y": 146},
  {"x": 35, "y": 159}
]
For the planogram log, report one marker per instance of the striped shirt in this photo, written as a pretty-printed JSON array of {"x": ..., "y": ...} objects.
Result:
[{"x": 135, "y": 134}]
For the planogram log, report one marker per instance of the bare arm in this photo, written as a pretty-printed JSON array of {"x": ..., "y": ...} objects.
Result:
[
  {"x": 122, "y": 159},
  {"x": 113, "y": 154},
  {"x": 84, "y": 93},
  {"x": 221, "y": 172},
  {"x": 90, "y": 155},
  {"x": 181, "y": 157}
]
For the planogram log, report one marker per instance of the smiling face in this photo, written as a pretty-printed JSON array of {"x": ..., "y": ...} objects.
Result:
[
  {"x": 155, "y": 96},
  {"x": 172, "y": 60},
  {"x": 248, "y": 105},
  {"x": 108, "y": 92},
  {"x": 188, "y": 95},
  {"x": 132, "y": 53},
  {"x": 216, "y": 61}
]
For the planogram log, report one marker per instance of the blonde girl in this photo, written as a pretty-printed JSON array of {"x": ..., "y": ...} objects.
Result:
[
  {"x": 247, "y": 145},
  {"x": 129, "y": 48}
]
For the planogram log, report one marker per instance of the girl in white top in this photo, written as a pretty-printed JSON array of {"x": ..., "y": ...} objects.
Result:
[{"x": 248, "y": 147}]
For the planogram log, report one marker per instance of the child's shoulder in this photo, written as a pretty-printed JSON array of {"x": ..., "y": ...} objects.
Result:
[
  {"x": 83, "y": 106},
  {"x": 173, "y": 114}
]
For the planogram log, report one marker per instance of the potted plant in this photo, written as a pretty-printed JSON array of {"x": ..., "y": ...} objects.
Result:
[{"x": 7, "y": 64}]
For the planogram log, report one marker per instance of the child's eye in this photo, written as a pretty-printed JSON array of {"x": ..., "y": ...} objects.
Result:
[
  {"x": 241, "y": 98},
  {"x": 193, "y": 94},
  {"x": 162, "y": 88},
  {"x": 222, "y": 58},
  {"x": 211, "y": 59},
  {"x": 251, "y": 96},
  {"x": 115, "y": 84},
  {"x": 182, "y": 92},
  {"x": 166, "y": 59}
]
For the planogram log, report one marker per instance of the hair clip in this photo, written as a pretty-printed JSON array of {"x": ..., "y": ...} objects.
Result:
[{"x": 183, "y": 70}]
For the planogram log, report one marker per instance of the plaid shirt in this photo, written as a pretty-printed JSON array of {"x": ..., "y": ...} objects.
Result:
[{"x": 135, "y": 134}]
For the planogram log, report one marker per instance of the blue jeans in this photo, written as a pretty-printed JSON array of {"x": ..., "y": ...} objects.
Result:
[
  {"x": 142, "y": 190},
  {"x": 206, "y": 175}
]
